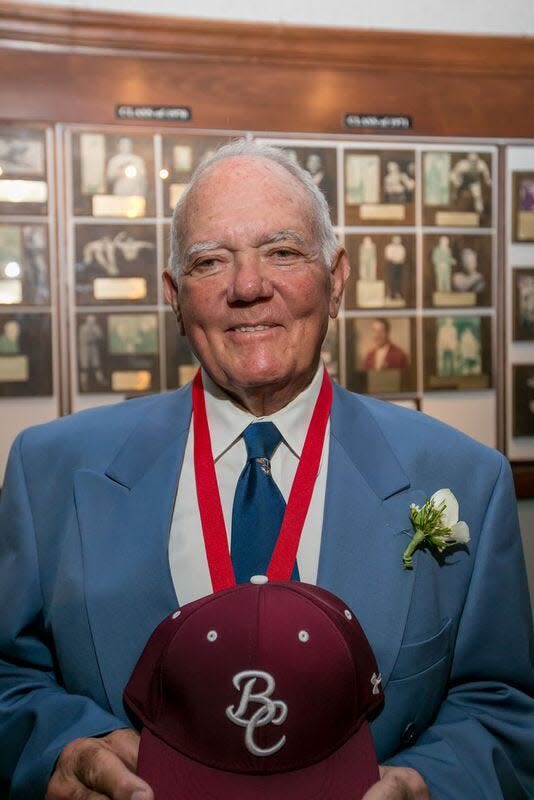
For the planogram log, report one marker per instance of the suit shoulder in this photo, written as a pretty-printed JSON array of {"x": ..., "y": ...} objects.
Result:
[
  {"x": 409, "y": 431},
  {"x": 100, "y": 428}
]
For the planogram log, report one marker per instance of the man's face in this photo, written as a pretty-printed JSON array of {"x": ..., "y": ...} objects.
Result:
[
  {"x": 254, "y": 294},
  {"x": 314, "y": 163},
  {"x": 379, "y": 333}
]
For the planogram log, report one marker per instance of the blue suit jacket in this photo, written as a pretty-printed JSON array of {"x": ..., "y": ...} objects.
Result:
[{"x": 85, "y": 578}]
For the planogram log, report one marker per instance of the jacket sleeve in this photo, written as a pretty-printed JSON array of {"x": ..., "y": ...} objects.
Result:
[
  {"x": 481, "y": 743},
  {"x": 38, "y": 717}
]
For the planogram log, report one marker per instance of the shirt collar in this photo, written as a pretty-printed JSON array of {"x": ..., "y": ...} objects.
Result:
[{"x": 227, "y": 421}]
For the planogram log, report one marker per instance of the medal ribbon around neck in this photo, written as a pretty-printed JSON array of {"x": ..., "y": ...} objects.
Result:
[{"x": 209, "y": 499}]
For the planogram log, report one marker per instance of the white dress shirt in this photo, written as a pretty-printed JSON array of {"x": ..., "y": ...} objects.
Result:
[{"x": 187, "y": 554}]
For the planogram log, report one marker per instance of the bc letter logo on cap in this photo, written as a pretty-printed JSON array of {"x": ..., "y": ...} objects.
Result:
[{"x": 269, "y": 711}]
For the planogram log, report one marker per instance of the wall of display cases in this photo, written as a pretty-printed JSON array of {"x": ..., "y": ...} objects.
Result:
[
  {"x": 438, "y": 229},
  {"x": 419, "y": 221},
  {"x": 519, "y": 376},
  {"x": 29, "y": 313}
]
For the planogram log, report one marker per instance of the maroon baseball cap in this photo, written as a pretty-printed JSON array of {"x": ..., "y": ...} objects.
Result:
[{"x": 259, "y": 691}]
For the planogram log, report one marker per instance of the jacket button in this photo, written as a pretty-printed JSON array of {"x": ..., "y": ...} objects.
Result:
[{"x": 409, "y": 734}]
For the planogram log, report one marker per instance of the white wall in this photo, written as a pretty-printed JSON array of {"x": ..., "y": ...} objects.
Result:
[{"x": 514, "y": 17}]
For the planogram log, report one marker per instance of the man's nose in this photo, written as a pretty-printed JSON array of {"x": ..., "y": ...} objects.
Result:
[{"x": 249, "y": 280}]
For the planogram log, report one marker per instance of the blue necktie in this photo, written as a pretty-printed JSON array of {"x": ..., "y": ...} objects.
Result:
[{"x": 258, "y": 505}]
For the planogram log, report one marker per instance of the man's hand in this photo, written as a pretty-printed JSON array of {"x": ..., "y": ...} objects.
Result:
[
  {"x": 398, "y": 783},
  {"x": 94, "y": 769}
]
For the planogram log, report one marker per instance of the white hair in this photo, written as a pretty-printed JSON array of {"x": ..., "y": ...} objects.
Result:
[{"x": 252, "y": 149}]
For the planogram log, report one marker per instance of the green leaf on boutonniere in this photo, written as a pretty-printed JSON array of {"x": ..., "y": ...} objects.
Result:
[{"x": 436, "y": 524}]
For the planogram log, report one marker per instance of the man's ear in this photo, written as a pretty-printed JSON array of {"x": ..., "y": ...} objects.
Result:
[
  {"x": 170, "y": 290},
  {"x": 339, "y": 275}
]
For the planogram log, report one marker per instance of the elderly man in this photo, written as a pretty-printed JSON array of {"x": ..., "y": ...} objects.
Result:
[{"x": 110, "y": 517}]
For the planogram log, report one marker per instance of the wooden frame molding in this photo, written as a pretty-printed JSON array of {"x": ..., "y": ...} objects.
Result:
[
  {"x": 61, "y": 27},
  {"x": 64, "y": 65},
  {"x": 68, "y": 65}
]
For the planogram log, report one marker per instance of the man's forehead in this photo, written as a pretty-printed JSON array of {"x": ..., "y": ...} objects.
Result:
[
  {"x": 244, "y": 174},
  {"x": 245, "y": 191}
]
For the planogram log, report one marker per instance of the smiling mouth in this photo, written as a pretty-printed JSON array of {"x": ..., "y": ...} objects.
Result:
[{"x": 252, "y": 328}]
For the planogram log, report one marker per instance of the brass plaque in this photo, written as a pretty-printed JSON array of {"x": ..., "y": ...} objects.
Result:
[
  {"x": 458, "y": 219},
  {"x": 112, "y": 205},
  {"x": 131, "y": 381},
  {"x": 119, "y": 288},
  {"x": 19, "y": 191},
  {"x": 14, "y": 368},
  {"x": 10, "y": 291},
  {"x": 389, "y": 212}
]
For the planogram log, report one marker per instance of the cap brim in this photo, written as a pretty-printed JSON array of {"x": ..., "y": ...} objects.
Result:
[{"x": 346, "y": 774}]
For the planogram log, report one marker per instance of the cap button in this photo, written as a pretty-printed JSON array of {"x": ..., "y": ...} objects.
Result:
[{"x": 259, "y": 579}]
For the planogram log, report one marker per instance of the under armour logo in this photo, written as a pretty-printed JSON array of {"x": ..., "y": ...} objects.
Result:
[
  {"x": 376, "y": 680},
  {"x": 269, "y": 711}
]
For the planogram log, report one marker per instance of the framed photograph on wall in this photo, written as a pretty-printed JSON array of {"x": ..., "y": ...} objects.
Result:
[
  {"x": 118, "y": 352},
  {"x": 330, "y": 350},
  {"x": 383, "y": 270},
  {"x": 113, "y": 175},
  {"x": 523, "y": 400},
  {"x": 457, "y": 352},
  {"x": 181, "y": 155},
  {"x": 23, "y": 171},
  {"x": 25, "y": 355},
  {"x": 321, "y": 163},
  {"x": 379, "y": 187},
  {"x": 381, "y": 355},
  {"x": 457, "y": 270},
  {"x": 182, "y": 364},
  {"x": 523, "y": 206},
  {"x": 457, "y": 189},
  {"x": 24, "y": 264},
  {"x": 115, "y": 264},
  {"x": 523, "y": 303}
]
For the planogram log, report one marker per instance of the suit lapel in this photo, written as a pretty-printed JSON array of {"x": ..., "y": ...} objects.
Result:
[
  {"x": 366, "y": 518},
  {"x": 124, "y": 518}
]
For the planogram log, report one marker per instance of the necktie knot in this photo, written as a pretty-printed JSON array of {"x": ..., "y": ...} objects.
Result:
[{"x": 261, "y": 440}]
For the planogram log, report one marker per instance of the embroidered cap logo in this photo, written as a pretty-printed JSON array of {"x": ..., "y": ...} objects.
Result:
[{"x": 268, "y": 711}]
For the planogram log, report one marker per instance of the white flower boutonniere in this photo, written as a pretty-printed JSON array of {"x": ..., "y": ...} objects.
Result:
[{"x": 436, "y": 524}]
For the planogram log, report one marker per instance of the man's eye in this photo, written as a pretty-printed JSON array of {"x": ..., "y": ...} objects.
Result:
[
  {"x": 206, "y": 265},
  {"x": 284, "y": 253}
]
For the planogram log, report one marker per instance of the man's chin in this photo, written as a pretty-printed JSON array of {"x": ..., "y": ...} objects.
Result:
[{"x": 263, "y": 385}]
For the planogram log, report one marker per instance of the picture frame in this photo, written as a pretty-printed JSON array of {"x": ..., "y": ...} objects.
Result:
[
  {"x": 25, "y": 354},
  {"x": 321, "y": 164},
  {"x": 380, "y": 187},
  {"x": 117, "y": 352},
  {"x": 457, "y": 352},
  {"x": 523, "y": 206},
  {"x": 181, "y": 155},
  {"x": 523, "y": 303},
  {"x": 115, "y": 264},
  {"x": 383, "y": 274},
  {"x": 457, "y": 188},
  {"x": 24, "y": 264},
  {"x": 181, "y": 362},
  {"x": 330, "y": 350},
  {"x": 381, "y": 355},
  {"x": 113, "y": 175},
  {"x": 523, "y": 400},
  {"x": 23, "y": 171},
  {"x": 457, "y": 270}
]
